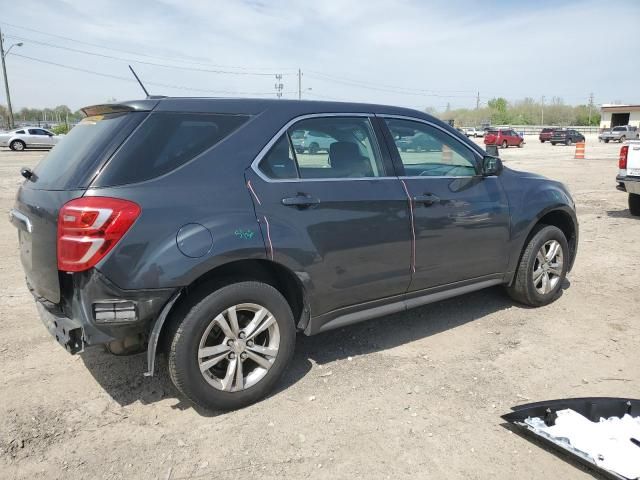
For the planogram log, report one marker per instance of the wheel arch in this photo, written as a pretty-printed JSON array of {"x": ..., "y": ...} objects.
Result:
[
  {"x": 272, "y": 273},
  {"x": 560, "y": 217}
]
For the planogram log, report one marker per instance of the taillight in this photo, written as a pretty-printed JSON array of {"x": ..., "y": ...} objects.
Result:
[
  {"x": 622, "y": 160},
  {"x": 89, "y": 227}
]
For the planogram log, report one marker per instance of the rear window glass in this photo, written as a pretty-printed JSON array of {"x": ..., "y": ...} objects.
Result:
[
  {"x": 75, "y": 160},
  {"x": 165, "y": 141}
]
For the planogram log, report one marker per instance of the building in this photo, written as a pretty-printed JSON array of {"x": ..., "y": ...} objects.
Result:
[{"x": 615, "y": 115}]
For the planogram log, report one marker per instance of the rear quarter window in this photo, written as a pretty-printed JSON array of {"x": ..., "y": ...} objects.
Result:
[{"x": 165, "y": 141}]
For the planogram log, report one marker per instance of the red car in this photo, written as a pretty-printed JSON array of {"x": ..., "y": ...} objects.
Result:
[
  {"x": 504, "y": 137},
  {"x": 546, "y": 134}
]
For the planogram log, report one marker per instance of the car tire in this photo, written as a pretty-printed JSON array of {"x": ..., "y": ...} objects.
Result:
[
  {"x": 606, "y": 141},
  {"x": 634, "y": 204},
  {"x": 17, "y": 145},
  {"x": 313, "y": 148},
  {"x": 541, "y": 141},
  {"x": 623, "y": 139},
  {"x": 222, "y": 386},
  {"x": 520, "y": 144},
  {"x": 568, "y": 142},
  {"x": 553, "y": 143},
  {"x": 505, "y": 144},
  {"x": 534, "y": 283}
]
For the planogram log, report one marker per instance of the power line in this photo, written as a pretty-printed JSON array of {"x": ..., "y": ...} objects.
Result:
[
  {"x": 372, "y": 85},
  {"x": 129, "y": 52},
  {"x": 142, "y": 62},
  {"x": 127, "y": 79},
  {"x": 398, "y": 90}
]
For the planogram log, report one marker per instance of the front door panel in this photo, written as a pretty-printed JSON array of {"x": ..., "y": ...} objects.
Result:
[{"x": 461, "y": 219}]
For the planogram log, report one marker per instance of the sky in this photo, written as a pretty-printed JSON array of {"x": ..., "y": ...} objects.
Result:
[{"x": 411, "y": 53}]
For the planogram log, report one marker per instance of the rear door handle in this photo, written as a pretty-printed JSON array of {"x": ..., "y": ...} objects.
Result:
[
  {"x": 427, "y": 199},
  {"x": 300, "y": 201}
]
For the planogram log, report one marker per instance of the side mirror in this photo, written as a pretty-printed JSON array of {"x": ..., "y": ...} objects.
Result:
[{"x": 491, "y": 166}]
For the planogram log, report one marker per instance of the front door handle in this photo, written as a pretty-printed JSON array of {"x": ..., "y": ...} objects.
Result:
[
  {"x": 300, "y": 201},
  {"x": 427, "y": 199}
]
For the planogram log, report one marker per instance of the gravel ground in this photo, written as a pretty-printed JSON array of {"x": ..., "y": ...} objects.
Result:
[{"x": 413, "y": 395}]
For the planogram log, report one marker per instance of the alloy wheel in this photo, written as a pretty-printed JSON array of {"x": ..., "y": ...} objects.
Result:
[
  {"x": 238, "y": 347},
  {"x": 547, "y": 268}
]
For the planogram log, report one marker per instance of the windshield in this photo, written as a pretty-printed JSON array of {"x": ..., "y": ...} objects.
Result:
[{"x": 75, "y": 160}]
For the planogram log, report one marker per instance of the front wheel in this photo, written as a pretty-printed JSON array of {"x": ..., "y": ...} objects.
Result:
[
  {"x": 542, "y": 268},
  {"x": 505, "y": 144},
  {"x": 232, "y": 346},
  {"x": 623, "y": 139},
  {"x": 634, "y": 204}
]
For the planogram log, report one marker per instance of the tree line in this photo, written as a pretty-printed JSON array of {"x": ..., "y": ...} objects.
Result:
[
  {"x": 499, "y": 111},
  {"x": 34, "y": 116}
]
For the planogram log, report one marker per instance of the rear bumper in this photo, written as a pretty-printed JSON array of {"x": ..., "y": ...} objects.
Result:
[
  {"x": 93, "y": 311},
  {"x": 628, "y": 184}
]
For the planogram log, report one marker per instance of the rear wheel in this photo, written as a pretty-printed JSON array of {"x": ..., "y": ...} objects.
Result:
[
  {"x": 232, "y": 346},
  {"x": 622, "y": 139},
  {"x": 553, "y": 143},
  {"x": 568, "y": 142},
  {"x": 634, "y": 204},
  {"x": 606, "y": 140},
  {"x": 542, "y": 268},
  {"x": 313, "y": 148},
  {"x": 17, "y": 145},
  {"x": 520, "y": 144},
  {"x": 505, "y": 144},
  {"x": 541, "y": 141}
]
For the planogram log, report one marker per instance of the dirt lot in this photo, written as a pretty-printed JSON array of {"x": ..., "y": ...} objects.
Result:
[{"x": 414, "y": 395}]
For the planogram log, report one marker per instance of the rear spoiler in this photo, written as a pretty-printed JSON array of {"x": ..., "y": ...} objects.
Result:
[{"x": 134, "y": 106}]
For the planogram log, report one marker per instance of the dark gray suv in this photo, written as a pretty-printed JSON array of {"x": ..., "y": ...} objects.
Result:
[{"x": 193, "y": 227}]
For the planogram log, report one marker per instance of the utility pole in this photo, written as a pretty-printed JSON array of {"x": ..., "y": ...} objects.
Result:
[
  {"x": 542, "y": 112},
  {"x": 590, "y": 106},
  {"x": 6, "y": 82},
  {"x": 299, "y": 84},
  {"x": 279, "y": 85},
  {"x": 478, "y": 101}
]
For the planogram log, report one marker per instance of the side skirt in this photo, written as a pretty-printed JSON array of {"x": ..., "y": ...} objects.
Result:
[{"x": 354, "y": 314}]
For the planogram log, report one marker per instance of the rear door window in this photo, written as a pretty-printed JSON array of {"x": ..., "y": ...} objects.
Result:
[
  {"x": 165, "y": 141},
  {"x": 336, "y": 147}
]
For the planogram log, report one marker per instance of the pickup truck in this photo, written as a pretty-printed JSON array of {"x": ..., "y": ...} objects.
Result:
[
  {"x": 619, "y": 134},
  {"x": 629, "y": 174}
]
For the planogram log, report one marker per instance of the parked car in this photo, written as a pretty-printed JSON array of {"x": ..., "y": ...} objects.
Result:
[
  {"x": 628, "y": 177},
  {"x": 29, "y": 137},
  {"x": 503, "y": 137},
  {"x": 189, "y": 226},
  {"x": 619, "y": 134},
  {"x": 474, "y": 132},
  {"x": 418, "y": 142},
  {"x": 566, "y": 136},
  {"x": 545, "y": 134},
  {"x": 311, "y": 142}
]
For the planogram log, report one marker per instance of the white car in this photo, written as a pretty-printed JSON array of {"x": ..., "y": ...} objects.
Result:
[
  {"x": 473, "y": 132},
  {"x": 29, "y": 137}
]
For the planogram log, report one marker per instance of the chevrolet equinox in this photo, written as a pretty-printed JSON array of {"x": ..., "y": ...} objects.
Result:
[{"x": 196, "y": 228}]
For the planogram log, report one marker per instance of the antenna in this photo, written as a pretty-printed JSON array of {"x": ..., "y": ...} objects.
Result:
[{"x": 138, "y": 79}]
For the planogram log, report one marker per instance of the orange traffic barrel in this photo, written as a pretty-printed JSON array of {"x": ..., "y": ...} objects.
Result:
[{"x": 579, "y": 151}]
